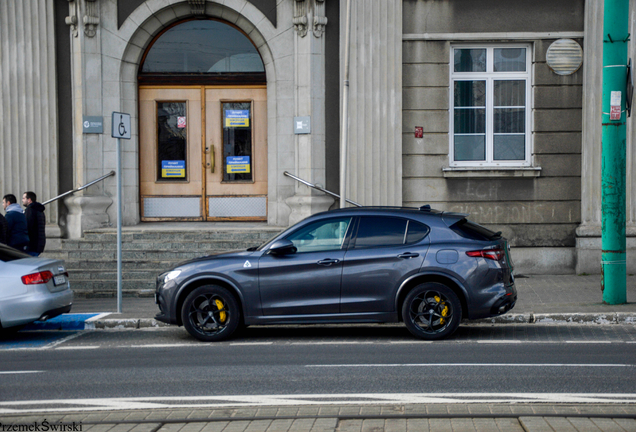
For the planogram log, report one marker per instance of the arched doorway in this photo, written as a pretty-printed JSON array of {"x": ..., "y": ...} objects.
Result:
[{"x": 203, "y": 125}]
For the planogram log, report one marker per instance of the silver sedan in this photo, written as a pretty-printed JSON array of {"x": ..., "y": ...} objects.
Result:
[{"x": 31, "y": 288}]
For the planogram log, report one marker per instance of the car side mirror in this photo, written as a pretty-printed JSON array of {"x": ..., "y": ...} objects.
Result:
[{"x": 282, "y": 247}]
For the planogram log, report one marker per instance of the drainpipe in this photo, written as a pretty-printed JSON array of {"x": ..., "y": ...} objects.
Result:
[{"x": 613, "y": 168}]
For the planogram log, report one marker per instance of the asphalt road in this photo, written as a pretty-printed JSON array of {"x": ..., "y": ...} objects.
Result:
[{"x": 167, "y": 363}]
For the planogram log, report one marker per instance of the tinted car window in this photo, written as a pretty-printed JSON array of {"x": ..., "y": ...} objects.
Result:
[
  {"x": 473, "y": 231},
  {"x": 319, "y": 236},
  {"x": 416, "y": 232},
  {"x": 380, "y": 231},
  {"x": 9, "y": 254}
]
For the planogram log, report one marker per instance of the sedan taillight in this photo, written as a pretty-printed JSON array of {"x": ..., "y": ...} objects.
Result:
[
  {"x": 493, "y": 254},
  {"x": 37, "y": 278}
]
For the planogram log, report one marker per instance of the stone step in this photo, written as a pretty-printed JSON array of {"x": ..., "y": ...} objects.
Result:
[
  {"x": 127, "y": 274},
  {"x": 110, "y": 286},
  {"x": 127, "y": 265},
  {"x": 254, "y": 236},
  {"x": 208, "y": 245}
]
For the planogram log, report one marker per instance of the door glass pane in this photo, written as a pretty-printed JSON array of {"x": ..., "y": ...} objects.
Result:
[
  {"x": 321, "y": 236},
  {"x": 237, "y": 141},
  {"x": 171, "y": 141},
  {"x": 470, "y": 93},
  {"x": 509, "y": 120},
  {"x": 470, "y": 147},
  {"x": 380, "y": 231},
  {"x": 509, "y": 147},
  {"x": 470, "y": 60},
  {"x": 509, "y": 93},
  {"x": 509, "y": 60}
]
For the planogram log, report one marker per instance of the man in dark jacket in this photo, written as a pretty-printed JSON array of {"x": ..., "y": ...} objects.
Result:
[
  {"x": 4, "y": 227},
  {"x": 36, "y": 223},
  {"x": 18, "y": 236}
]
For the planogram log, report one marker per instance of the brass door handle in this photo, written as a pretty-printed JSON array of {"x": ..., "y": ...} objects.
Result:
[{"x": 212, "y": 160}]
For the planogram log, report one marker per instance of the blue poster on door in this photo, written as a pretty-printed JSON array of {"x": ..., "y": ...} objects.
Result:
[
  {"x": 172, "y": 168},
  {"x": 238, "y": 164},
  {"x": 237, "y": 118}
]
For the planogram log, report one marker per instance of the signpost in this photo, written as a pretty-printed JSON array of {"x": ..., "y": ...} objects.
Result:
[{"x": 120, "y": 130}]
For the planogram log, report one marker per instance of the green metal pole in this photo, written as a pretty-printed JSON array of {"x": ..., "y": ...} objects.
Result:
[{"x": 615, "y": 37}]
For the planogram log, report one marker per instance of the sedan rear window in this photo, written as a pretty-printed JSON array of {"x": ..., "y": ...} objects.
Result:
[{"x": 7, "y": 254}]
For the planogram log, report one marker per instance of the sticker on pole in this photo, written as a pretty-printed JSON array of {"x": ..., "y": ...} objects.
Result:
[
  {"x": 121, "y": 125},
  {"x": 615, "y": 105}
]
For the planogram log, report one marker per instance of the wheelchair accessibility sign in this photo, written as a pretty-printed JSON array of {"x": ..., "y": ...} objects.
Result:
[{"x": 121, "y": 125}]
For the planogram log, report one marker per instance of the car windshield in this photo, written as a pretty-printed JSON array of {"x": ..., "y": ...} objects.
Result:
[{"x": 7, "y": 254}]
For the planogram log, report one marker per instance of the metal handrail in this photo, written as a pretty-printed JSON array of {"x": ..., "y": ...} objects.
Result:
[
  {"x": 298, "y": 179},
  {"x": 112, "y": 173}
]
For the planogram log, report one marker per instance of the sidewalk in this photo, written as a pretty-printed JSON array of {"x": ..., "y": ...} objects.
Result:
[
  {"x": 541, "y": 299},
  {"x": 394, "y": 418}
]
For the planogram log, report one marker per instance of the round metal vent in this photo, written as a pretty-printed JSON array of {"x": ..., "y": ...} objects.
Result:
[{"x": 564, "y": 56}]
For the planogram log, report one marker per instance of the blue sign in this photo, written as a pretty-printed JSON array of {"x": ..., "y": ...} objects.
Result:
[
  {"x": 238, "y": 164},
  {"x": 237, "y": 118},
  {"x": 173, "y": 168}
]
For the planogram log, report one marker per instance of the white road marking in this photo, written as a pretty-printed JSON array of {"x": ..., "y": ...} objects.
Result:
[
  {"x": 20, "y": 372},
  {"x": 224, "y": 401},
  {"x": 78, "y": 347},
  {"x": 500, "y": 341},
  {"x": 251, "y": 343},
  {"x": 468, "y": 365},
  {"x": 61, "y": 341},
  {"x": 588, "y": 342}
]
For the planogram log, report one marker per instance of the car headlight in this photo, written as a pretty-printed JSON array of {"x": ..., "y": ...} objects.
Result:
[{"x": 171, "y": 275}]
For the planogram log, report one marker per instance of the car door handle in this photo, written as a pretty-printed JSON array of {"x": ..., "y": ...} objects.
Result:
[
  {"x": 407, "y": 255},
  {"x": 327, "y": 262}
]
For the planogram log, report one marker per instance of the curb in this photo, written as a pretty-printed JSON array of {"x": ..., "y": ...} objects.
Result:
[{"x": 100, "y": 322}]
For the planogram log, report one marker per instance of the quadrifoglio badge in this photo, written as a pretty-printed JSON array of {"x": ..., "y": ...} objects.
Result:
[{"x": 44, "y": 426}]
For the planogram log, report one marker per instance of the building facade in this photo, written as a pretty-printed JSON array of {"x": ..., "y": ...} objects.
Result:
[{"x": 456, "y": 103}]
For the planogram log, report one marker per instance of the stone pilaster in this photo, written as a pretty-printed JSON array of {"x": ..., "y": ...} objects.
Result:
[
  {"x": 309, "y": 47},
  {"x": 28, "y": 105},
  {"x": 374, "y": 159},
  {"x": 86, "y": 65}
]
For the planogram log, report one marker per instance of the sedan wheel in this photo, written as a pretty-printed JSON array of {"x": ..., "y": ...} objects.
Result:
[
  {"x": 210, "y": 313},
  {"x": 432, "y": 311}
]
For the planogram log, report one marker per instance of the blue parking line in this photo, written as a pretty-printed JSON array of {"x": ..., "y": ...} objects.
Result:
[{"x": 62, "y": 322}]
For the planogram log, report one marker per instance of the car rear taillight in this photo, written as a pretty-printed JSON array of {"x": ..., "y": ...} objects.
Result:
[
  {"x": 37, "y": 278},
  {"x": 493, "y": 254}
]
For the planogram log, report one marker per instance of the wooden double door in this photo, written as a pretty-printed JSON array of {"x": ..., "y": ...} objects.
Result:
[{"x": 203, "y": 153}]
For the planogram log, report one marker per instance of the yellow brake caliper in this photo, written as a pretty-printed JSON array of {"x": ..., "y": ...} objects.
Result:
[
  {"x": 444, "y": 311},
  {"x": 222, "y": 315}
]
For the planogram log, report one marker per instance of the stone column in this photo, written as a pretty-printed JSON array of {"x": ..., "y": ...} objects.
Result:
[
  {"x": 309, "y": 51},
  {"x": 28, "y": 106},
  {"x": 374, "y": 160},
  {"x": 588, "y": 234},
  {"x": 86, "y": 208}
]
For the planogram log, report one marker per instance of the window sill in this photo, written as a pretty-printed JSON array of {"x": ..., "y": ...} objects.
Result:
[{"x": 490, "y": 172}]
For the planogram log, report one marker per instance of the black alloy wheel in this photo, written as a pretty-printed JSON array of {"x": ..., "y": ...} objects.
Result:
[
  {"x": 432, "y": 311},
  {"x": 210, "y": 313}
]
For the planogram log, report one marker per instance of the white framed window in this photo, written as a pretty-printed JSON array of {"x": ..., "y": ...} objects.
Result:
[{"x": 490, "y": 118}]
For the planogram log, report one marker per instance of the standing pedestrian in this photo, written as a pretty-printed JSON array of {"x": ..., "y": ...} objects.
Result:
[
  {"x": 18, "y": 236},
  {"x": 36, "y": 223},
  {"x": 3, "y": 229}
]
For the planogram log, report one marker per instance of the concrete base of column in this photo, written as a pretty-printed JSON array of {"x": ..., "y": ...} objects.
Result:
[
  {"x": 589, "y": 247},
  {"x": 303, "y": 206},
  {"x": 86, "y": 212}
]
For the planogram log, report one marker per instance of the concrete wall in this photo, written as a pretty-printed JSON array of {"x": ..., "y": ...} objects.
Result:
[{"x": 536, "y": 212}]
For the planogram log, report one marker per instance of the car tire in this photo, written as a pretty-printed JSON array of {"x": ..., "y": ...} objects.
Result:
[
  {"x": 210, "y": 313},
  {"x": 431, "y": 311}
]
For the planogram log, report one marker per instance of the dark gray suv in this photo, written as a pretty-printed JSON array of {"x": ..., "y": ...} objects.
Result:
[{"x": 424, "y": 267}]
